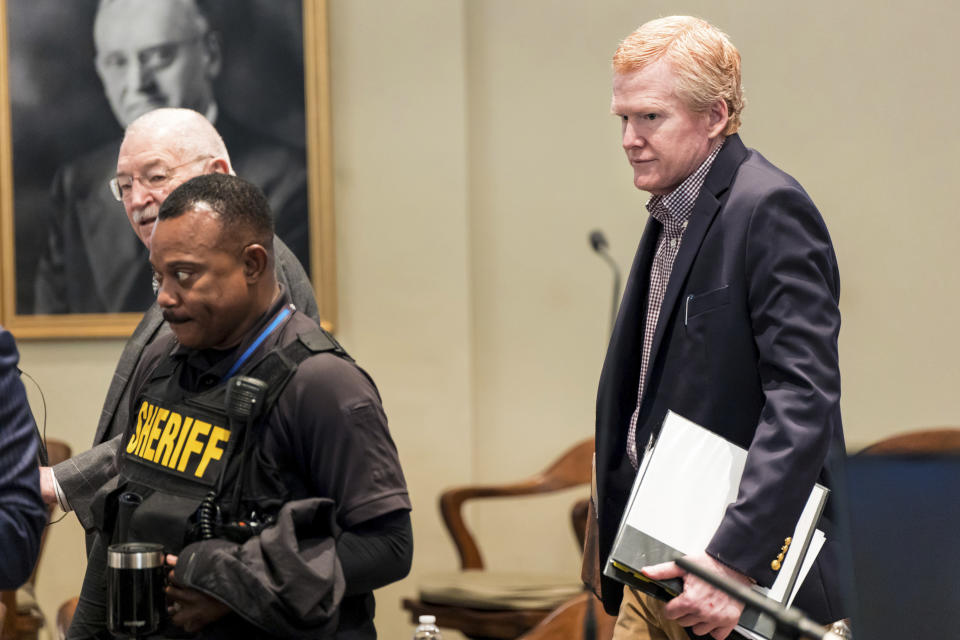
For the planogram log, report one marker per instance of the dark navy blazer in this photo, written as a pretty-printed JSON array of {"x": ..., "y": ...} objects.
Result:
[
  {"x": 22, "y": 513},
  {"x": 746, "y": 345}
]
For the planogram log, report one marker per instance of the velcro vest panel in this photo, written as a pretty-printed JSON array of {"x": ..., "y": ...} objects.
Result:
[
  {"x": 180, "y": 443},
  {"x": 187, "y": 441}
]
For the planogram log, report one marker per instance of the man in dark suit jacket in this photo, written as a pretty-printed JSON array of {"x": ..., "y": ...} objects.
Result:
[
  {"x": 22, "y": 514},
  {"x": 151, "y": 55},
  {"x": 729, "y": 318},
  {"x": 176, "y": 144}
]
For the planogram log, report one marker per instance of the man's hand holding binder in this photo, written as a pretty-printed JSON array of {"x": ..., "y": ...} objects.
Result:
[
  {"x": 704, "y": 608},
  {"x": 687, "y": 479}
]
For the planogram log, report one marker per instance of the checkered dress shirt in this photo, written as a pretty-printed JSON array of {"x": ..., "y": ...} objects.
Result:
[{"x": 672, "y": 211}]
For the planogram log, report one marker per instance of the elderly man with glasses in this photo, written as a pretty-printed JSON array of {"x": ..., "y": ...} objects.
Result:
[
  {"x": 161, "y": 150},
  {"x": 149, "y": 55}
]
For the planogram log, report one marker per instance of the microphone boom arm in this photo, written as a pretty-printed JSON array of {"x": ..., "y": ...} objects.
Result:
[{"x": 799, "y": 624}]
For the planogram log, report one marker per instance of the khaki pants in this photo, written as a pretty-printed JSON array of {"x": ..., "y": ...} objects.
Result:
[{"x": 641, "y": 618}]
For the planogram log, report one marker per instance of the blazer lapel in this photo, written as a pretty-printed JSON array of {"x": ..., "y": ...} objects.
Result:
[
  {"x": 634, "y": 303},
  {"x": 620, "y": 375},
  {"x": 705, "y": 209}
]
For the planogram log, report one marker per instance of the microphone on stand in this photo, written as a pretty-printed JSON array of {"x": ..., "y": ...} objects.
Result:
[{"x": 598, "y": 242}]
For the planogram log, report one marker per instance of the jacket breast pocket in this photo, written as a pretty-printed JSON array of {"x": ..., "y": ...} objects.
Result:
[{"x": 698, "y": 304}]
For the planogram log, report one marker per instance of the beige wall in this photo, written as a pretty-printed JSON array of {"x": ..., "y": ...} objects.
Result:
[{"x": 473, "y": 153}]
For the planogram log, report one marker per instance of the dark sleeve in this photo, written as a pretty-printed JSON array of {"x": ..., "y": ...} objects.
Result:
[
  {"x": 333, "y": 433},
  {"x": 793, "y": 295},
  {"x": 22, "y": 513},
  {"x": 376, "y": 552}
]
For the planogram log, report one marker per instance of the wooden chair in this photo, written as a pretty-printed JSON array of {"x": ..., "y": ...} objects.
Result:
[
  {"x": 945, "y": 440},
  {"x": 571, "y": 469},
  {"x": 24, "y": 620},
  {"x": 65, "y": 616},
  {"x": 567, "y": 621}
]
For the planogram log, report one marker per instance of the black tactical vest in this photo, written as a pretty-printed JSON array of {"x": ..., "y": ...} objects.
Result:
[{"x": 181, "y": 461}]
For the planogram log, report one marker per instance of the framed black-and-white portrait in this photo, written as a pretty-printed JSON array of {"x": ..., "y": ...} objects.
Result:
[{"x": 74, "y": 74}]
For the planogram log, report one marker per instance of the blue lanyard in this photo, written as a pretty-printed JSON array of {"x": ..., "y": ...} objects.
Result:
[{"x": 283, "y": 315}]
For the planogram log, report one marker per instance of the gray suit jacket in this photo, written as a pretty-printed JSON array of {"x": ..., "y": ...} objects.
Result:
[{"x": 83, "y": 474}]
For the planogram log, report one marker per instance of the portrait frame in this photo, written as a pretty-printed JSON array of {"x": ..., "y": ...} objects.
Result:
[{"x": 318, "y": 158}]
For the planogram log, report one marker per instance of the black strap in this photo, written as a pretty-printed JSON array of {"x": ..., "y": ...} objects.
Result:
[
  {"x": 319, "y": 341},
  {"x": 276, "y": 369},
  {"x": 278, "y": 366}
]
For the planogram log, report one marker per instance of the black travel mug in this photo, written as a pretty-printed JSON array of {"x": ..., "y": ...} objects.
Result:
[{"x": 135, "y": 580}]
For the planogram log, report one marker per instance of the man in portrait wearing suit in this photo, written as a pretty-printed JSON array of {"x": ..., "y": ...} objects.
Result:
[
  {"x": 161, "y": 150},
  {"x": 730, "y": 318},
  {"x": 148, "y": 55},
  {"x": 22, "y": 514}
]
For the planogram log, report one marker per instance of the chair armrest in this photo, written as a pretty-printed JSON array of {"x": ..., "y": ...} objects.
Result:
[
  {"x": 941, "y": 441},
  {"x": 570, "y": 470},
  {"x": 567, "y": 621}
]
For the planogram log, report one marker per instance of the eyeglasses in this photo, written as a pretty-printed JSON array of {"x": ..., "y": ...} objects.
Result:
[
  {"x": 153, "y": 58},
  {"x": 154, "y": 179}
]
